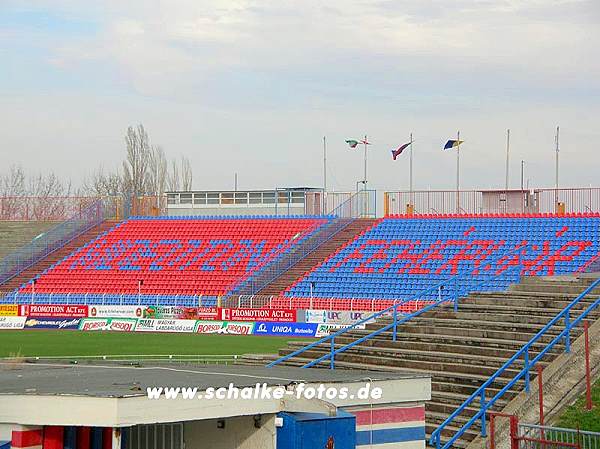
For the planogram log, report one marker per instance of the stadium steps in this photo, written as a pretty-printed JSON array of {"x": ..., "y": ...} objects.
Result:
[
  {"x": 16, "y": 234},
  {"x": 348, "y": 234},
  {"x": 459, "y": 349},
  {"x": 55, "y": 256}
]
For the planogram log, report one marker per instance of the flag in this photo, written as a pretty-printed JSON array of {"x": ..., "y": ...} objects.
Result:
[
  {"x": 353, "y": 143},
  {"x": 397, "y": 152},
  {"x": 452, "y": 143}
]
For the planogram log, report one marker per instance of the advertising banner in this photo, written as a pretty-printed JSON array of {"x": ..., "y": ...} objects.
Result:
[
  {"x": 326, "y": 329},
  {"x": 180, "y": 313},
  {"x": 331, "y": 317},
  {"x": 108, "y": 324},
  {"x": 285, "y": 315},
  {"x": 224, "y": 327},
  {"x": 285, "y": 329},
  {"x": 9, "y": 310},
  {"x": 48, "y": 322},
  {"x": 151, "y": 325},
  {"x": 115, "y": 311},
  {"x": 12, "y": 322},
  {"x": 54, "y": 311}
]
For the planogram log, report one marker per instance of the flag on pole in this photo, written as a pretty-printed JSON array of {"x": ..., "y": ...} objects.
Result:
[
  {"x": 354, "y": 143},
  {"x": 452, "y": 143},
  {"x": 397, "y": 152}
]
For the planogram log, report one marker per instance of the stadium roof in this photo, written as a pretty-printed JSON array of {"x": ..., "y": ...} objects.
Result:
[{"x": 115, "y": 395}]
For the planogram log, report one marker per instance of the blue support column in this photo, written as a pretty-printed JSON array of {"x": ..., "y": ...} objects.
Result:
[
  {"x": 526, "y": 363},
  {"x": 70, "y": 437},
  {"x": 568, "y": 331},
  {"x": 96, "y": 438},
  {"x": 483, "y": 429},
  {"x": 395, "y": 331},
  {"x": 332, "y": 362}
]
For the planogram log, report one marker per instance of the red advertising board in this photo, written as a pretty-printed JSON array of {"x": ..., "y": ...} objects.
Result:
[
  {"x": 54, "y": 311},
  {"x": 286, "y": 315}
]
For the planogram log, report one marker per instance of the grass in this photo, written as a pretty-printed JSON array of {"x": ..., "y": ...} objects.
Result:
[
  {"x": 28, "y": 343},
  {"x": 576, "y": 415}
]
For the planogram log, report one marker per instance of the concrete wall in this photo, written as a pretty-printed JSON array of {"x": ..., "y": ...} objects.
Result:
[
  {"x": 6, "y": 432},
  {"x": 15, "y": 234},
  {"x": 239, "y": 433}
]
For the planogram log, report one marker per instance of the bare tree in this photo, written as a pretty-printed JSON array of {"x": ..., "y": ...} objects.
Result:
[
  {"x": 137, "y": 160},
  {"x": 173, "y": 179},
  {"x": 12, "y": 187},
  {"x": 49, "y": 196},
  {"x": 157, "y": 171},
  {"x": 109, "y": 184},
  {"x": 186, "y": 174}
]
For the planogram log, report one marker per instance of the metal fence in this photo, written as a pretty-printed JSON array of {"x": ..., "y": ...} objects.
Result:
[
  {"x": 361, "y": 204},
  {"x": 51, "y": 240},
  {"x": 574, "y": 200},
  {"x": 532, "y": 436},
  {"x": 18, "y": 208},
  {"x": 331, "y": 304}
]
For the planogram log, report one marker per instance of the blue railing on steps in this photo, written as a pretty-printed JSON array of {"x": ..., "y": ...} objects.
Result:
[
  {"x": 523, "y": 357},
  {"x": 451, "y": 285}
]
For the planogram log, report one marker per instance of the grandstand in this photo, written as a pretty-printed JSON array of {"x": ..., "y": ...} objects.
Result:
[
  {"x": 410, "y": 267},
  {"x": 403, "y": 255},
  {"x": 174, "y": 260}
]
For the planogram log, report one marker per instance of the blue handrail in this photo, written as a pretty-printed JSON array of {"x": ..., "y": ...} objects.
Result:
[
  {"x": 480, "y": 393},
  {"x": 456, "y": 293}
]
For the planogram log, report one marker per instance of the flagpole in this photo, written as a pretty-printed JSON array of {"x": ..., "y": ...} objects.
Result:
[
  {"x": 365, "y": 178},
  {"x": 458, "y": 172},
  {"x": 556, "y": 175},
  {"x": 411, "y": 171},
  {"x": 411, "y": 166},
  {"x": 507, "y": 158},
  {"x": 324, "y": 204}
]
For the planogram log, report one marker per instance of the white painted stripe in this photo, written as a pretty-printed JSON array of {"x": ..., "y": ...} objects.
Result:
[
  {"x": 417, "y": 444},
  {"x": 391, "y": 425}
]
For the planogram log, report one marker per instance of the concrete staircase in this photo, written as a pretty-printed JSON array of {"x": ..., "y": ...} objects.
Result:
[
  {"x": 315, "y": 258},
  {"x": 460, "y": 350},
  {"x": 16, "y": 234},
  {"x": 54, "y": 257}
]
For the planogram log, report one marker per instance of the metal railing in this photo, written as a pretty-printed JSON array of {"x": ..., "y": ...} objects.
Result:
[
  {"x": 575, "y": 200},
  {"x": 349, "y": 210},
  {"x": 330, "y": 303},
  {"x": 525, "y": 362},
  {"x": 50, "y": 241},
  {"x": 452, "y": 292},
  {"x": 531, "y": 434},
  {"x": 361, "y": 204}
]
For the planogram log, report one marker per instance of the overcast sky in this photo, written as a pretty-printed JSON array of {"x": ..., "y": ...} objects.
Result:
[{"x": 253, "y": 86}]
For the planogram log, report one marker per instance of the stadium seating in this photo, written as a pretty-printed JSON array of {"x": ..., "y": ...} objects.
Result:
[
  {"x": 171, "y": 259},
  {"x": 402, "y": 256}
]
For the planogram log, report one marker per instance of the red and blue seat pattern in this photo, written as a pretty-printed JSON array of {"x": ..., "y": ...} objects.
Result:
[
  {"x": 174, "y": 260},
  {"x": 401, "y": 256}
]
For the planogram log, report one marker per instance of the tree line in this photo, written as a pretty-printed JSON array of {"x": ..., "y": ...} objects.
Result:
[{"x": 145, "y": 171}]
